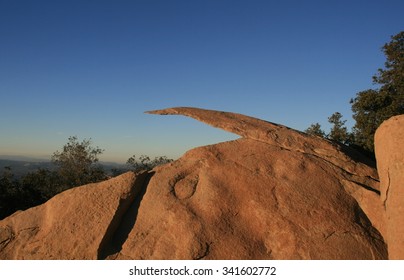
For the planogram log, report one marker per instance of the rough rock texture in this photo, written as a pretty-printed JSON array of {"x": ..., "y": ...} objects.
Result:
[
  {"x": 389, "y": 147},
  {"x": 249, "y": 200},
  {"x": 76, "y": 224},
  {"x": 357, "y": 173},
  {"x": 274, "y": 194}
]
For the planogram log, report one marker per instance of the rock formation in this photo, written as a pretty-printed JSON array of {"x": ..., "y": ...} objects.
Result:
[
  {"x": 275, "y": 193},
  {"x": 72, "y": 225},
  {"x": 389, "y": 146},
  {"x": 357, "y": 173}
]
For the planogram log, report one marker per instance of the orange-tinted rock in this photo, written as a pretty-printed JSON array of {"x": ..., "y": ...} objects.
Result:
[
  {"x": 357, "y": 173},
  {"x": 246, "y": 199},
  {"x": 276, "y": 193},
  {"x": 389, "y": 148},
  {"x": 75, "y": 224}
]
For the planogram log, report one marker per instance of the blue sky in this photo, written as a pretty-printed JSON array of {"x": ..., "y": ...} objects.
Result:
[{"x": 91, "y": 68}]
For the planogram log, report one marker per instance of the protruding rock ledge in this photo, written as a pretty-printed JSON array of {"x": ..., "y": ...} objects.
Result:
[
  {"x": 276, "y": 193},
  {"x": 275, "y": 134},
  {"x": 357, "y": 173}
]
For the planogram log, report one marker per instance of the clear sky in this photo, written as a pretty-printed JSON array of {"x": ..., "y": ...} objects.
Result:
[{"x": 91, "y": 68}]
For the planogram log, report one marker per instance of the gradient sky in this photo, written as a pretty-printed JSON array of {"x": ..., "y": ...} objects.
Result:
[{"x": 91, "y": 68}]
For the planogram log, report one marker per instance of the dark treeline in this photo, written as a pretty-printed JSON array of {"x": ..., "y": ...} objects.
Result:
[
  {"x": 75, "y": 165},
  {"x": 373, "y": 106}
]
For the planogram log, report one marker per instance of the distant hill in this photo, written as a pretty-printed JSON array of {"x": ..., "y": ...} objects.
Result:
[
  {"x": 24, "y": 158},
  {"x": 21, "y": 166}
]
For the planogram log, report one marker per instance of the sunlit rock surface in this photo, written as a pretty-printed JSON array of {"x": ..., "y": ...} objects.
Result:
[{"x": 275, "y": 193}]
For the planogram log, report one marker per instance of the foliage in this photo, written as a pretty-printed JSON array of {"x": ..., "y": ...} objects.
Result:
[
  {"x": 338, "y": 132},
  {"x": 7, "y": 192},
  {"x": 371, "y": 107},
  {"x": 77, "y": 163},
  {"x": 43, "y": 183},
  {"x": 315, "y": 129},
  {"x": 13, "y": 196},
  {"x": 145, "y": 163}
]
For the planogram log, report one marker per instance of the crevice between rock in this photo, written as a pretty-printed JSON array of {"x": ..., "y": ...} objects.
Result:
[
  {"x": 205, "y": 252},
  {"x": 124, "y": 218},
  {"x": 387, "y": 190}
]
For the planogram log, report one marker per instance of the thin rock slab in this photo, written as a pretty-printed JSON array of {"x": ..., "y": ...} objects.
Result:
[{"x": 356, "y": 172}]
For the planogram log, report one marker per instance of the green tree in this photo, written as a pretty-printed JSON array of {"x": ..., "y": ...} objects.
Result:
[
  {"x": 315, "y": 129},
  {"x": 77, "y": 163},
  {"x": 371, "y": 107},
  {"x": 43, "y": 183},
  {"x": 338, "y": 131},
  {"x": 13, "y": 196},
  {"x": 8, "y": 192},
  {"x": 145, "y": 163}
]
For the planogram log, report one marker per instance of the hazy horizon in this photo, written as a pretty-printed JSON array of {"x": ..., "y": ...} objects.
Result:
[{"x": 92, "y": 68}]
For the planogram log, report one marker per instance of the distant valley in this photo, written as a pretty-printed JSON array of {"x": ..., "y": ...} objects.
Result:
[{"x": 21, "y": 166}]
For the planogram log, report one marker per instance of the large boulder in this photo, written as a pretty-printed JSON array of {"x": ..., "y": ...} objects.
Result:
[
  {"x": 356, "y": 173},
  {"x": 76, "y": 224},
  {"x": 389, "y": 148},
  {"x": 276, "y": 193},
  {"x": 248, "y": 200}
]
